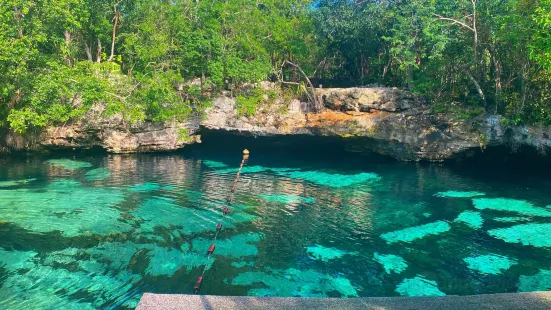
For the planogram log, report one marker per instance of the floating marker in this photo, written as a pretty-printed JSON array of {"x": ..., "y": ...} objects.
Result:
[
  {"x": 226, "y": 211},
  {"x": 219, "y": 227},
  {"x": 233, "y": 189},
  {"x": 197, "y": 286},
  {"x": 211, "y": 249}
]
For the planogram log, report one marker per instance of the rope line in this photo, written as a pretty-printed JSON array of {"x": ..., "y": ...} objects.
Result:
[{"x": 210, "y": 251}]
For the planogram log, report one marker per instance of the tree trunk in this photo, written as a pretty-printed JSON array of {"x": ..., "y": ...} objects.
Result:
[
  {"x": 98, "y": 55},
  {"x": 497, "y": 69},
  {"x": 478, "y": 88},
  {"x": 67, "y": 56},
  {"x": 410, "y": 77},
  {"x": 115, "y": 23},
  {"x": 317, "y": 105},
  {"x": 475, "y": 56},
  {"x": 88, "y": 51}
]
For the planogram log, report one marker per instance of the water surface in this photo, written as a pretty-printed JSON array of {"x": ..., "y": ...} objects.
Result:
[{"x": 96, "y": 232}]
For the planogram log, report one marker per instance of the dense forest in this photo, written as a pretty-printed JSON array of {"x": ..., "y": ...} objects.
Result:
[{"x": 57, "y": 58}]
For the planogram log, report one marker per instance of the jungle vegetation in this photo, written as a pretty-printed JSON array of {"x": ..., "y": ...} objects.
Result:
[{"x": 138, "y": 57}]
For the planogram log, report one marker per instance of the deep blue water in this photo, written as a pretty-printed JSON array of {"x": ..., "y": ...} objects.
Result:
[{"x": 97, "y": 231}]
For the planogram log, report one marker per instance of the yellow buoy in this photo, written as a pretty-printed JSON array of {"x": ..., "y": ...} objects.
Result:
[{"x": 245, "y": 154}]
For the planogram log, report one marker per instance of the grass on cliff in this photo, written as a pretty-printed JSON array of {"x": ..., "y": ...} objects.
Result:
[{"x": 258, "y": 99}]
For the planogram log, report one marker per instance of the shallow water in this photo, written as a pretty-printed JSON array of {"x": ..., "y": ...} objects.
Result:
[{"x": 95, "y": 232}]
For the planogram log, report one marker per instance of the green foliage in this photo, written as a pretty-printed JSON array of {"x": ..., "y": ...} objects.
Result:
[
  {"x": 247, "y": 104},
  {"x": 56, "y": 60},
  {"x": 171, "y": 57},
  {"x": 183, "y": 135}
]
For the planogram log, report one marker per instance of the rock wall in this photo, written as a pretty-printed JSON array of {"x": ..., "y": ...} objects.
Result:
[
  {"x": 110, "y": 133},
  {"x": 388, "y": 121}
]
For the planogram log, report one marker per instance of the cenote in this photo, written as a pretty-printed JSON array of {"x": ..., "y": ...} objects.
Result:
[{"x": 96, "y": 231}]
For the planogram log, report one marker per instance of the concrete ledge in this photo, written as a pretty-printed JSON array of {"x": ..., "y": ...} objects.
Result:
[{"x": 528, "y": 301}]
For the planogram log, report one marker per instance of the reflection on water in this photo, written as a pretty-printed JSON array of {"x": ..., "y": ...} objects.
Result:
[{"x": 96, "y": 232}]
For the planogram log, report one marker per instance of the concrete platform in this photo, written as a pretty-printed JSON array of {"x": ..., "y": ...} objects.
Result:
[{"x": 528, "y": 301}]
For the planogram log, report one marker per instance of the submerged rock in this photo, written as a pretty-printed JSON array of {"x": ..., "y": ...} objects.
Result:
[
  {"x": 214, "y": 164},
  {"x": 418, "y": 232},
  {"x": 286, "y": 199},
  {"x": 65, "y": 206},
  {"x": 15, "y": 183},
  {"x": 473, "y": 219},
  {"x": 536, "y": 283},
  {"x": 97, "y": 174},
  {"x": 391, "y": 263},
  {"x": 418, "y": 287},
  {"x": 295, "y": 283},
  {"x": 331, "y": 179},
  {"x": 326, "y": 254},
  {"x": 538, "y": 235},
  {"x": 237, "y": 246},
  {"x": 166, "y": 213},
  {"x": 489, "y": 264},
  {"x": 166, "y": 262},
  {"x": 145, "y": 187},
  {"x": 455, "y": 194},
  {"x": 69, "y": 164},
  {"x": 510, "y": 205},
  {"x": 511, "y": 219}
]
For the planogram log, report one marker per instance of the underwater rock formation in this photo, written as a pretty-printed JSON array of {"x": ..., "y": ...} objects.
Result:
[
  {"x": 472, "y": 219},
  {"x": 489, "y": 264},
  {"x": 391, "y": 263},
  {"x": 417, "y": 232},
  {"x": 294, "y": 283},
  {"x": 324, "y": 254},
  {"x": 417, "y": 287}
]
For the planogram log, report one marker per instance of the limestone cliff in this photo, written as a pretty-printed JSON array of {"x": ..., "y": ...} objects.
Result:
[
  {"x": 109, "y": 133},
  {"x": 388, "y": 121}
]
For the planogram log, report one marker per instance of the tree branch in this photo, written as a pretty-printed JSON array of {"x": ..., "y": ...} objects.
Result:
[
  {"x": 314, "y": 98},
  {"x": 454, "y": 21}
]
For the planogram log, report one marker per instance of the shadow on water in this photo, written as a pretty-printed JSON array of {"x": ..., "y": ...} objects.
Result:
[
  {"x": 491, "y": 163},
  {"x": 281, "y": 149}
]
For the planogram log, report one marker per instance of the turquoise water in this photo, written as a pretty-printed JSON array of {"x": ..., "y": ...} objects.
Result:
[{"x": 96, "y": 232}]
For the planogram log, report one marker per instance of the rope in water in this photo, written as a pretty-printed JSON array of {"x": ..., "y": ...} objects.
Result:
[{"x": 212, "y": 247}]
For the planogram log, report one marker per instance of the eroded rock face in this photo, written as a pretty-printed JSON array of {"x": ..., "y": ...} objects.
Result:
[
  {"x": 110, "y": 133},
  {"x": 388, "y": 121},
  {"x": 368, "y": 99}
]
